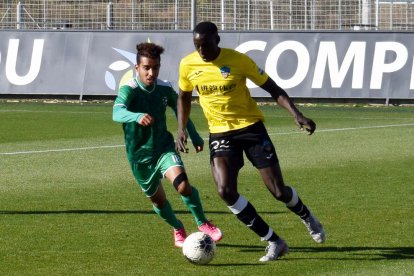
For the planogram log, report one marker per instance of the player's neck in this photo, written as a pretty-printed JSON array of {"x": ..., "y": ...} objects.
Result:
[
  {"x": 147, "y": 88},
  {"x": 217, "y": 53}
]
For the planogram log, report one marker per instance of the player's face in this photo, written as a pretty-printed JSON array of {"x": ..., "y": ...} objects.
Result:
[
  {"x": 206, "y": 46},
  {"x": 148, "y": 70}
]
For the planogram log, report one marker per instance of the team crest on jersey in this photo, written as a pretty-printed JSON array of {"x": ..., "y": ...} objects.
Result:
[
  {"x": 164, "y": 101},
  {"x": 225, "y": 71}
]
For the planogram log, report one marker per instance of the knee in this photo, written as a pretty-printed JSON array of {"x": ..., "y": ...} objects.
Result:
[
  {"x": 181, "y": 184},
  {"x": 284, "y": 194},
  {"x": 184, "y": 188},
  {"x": 279, "y": 196},
  {"x": 222, "y": 192},
  {"x": 158, "y": 205},
  {"x": 227, "y": 194},
  {"x": 159, "y": 202}
]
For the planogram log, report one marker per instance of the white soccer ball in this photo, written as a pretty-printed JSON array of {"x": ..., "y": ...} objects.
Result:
[{"x": 199, "y": 248}]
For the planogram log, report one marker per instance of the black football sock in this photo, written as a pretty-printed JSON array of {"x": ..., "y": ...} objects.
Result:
[
  {"x": 296, "y": 205},
  {"x": 247, "y": 214}
]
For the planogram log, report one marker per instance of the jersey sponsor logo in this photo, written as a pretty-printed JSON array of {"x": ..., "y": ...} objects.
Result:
[
  {"x": 225, "y": 71},
  {"x": 215, "y": 89}
]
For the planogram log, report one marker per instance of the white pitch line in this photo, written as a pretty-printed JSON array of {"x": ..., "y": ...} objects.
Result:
[
  {"x": 342, "y": 129},
  {"x": 276, "y": 133},
  {"x": 52, "y": 111},
  {"x": 59, "y": 150}
]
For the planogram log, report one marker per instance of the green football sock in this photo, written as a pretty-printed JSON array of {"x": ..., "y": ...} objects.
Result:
[
  {"x": 167, "y": 214},
  {"x": 193, "y": 203}
]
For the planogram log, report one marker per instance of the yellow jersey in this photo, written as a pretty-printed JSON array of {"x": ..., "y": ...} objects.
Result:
[{"x": 221, "y": 86}]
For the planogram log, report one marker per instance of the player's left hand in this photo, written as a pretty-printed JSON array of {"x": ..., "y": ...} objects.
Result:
[
  {"x": 305, "y": 123},
  {"x": 199, "y": 148}
]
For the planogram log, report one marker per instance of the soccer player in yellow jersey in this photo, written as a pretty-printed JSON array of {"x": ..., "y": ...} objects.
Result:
[{"x": 236, "y": 126}]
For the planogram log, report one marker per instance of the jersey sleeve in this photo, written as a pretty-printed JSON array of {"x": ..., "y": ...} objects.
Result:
[
  {"x": 196, "y": 139},
  {"x": 120, "y": 112},
  {"x": 183, "y": 82},
  {"x": 254, "y": 72}
]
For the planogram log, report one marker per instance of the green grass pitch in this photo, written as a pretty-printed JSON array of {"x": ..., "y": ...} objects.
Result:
[{"x": 69, "y": 204}]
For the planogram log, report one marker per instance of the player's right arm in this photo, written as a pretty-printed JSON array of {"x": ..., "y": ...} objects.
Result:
[
  {"x": 120, "y": 112},
  {"x": 183, "y": 114},
  {"x": 185, "y": 90}
]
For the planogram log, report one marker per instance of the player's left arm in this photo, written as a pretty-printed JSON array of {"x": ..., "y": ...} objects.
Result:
[
  {"x": 196, "y": 139},
  {"x": 283, "y": 99}
]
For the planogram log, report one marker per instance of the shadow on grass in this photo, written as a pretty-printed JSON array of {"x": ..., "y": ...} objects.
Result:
[
  {"x": 237, "y": 264},
  {"x": 106, "y": 212},
  {"x": 80, "y": 212},
  {"x": 358, "y": 252}
]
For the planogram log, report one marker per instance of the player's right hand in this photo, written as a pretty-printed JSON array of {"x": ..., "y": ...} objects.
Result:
[
  {"x": 146, "y": 120},
  {"x": 181, "y": 142}
]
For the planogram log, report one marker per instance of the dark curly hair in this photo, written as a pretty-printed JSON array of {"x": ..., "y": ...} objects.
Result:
[{"x": 149, "y": 50}]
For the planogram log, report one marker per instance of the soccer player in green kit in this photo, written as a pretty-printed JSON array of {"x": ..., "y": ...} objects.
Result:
[{"x": 141, "y": 108}]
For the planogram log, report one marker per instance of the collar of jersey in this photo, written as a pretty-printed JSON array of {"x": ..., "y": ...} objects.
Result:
[{"x": 146, "y": 88}]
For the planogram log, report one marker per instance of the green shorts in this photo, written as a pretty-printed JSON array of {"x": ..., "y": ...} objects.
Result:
[{"x": 149, "y": 175}]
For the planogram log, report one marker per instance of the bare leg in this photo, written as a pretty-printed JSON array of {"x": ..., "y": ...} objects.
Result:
[
  {"x": 163, "y": 208},
  {"x": 189, "y": 194},
  {"x": 272, "y": 177},
  {"x": 225, "y": 173}
]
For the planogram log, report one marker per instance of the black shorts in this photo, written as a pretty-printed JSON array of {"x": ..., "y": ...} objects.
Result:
[{"x": 253, "y": 140}]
